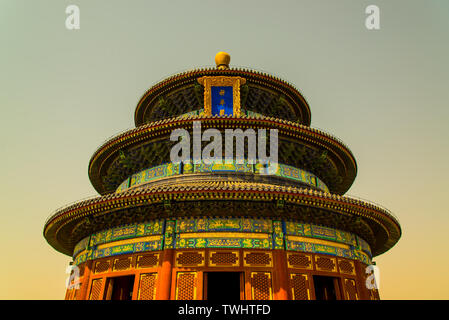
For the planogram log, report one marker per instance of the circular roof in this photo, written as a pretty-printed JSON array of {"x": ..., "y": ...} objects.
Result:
[
  {"x": 338, "y": 173},
  {"x": 374, "y": 224},
  {"x": 262, "y": 93}
]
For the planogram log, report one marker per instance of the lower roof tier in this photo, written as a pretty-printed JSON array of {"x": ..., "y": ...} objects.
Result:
[{"x": 69, "y": 225}]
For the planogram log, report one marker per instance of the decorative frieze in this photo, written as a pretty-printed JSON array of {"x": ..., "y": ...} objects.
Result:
[{"x": 222, "y": 232}]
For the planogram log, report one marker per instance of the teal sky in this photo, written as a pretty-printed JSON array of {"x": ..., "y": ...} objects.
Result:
[{"x": 384, "y": 93}]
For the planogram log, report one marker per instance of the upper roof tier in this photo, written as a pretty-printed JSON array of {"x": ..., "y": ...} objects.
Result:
[
  {"x": 149, "y": 145},
  {"x": 261, "y": 93}
]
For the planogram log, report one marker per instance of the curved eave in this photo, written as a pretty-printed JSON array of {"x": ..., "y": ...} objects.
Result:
[
  {"x": 187, "y": 77},
  {"x": 63, "y": 221},
  {"x": 162, "y": 127}
]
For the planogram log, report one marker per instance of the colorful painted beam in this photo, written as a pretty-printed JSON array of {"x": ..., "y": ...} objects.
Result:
[
  {"x": 222, "y": 232},
  {"x": 171, "y": 169}
]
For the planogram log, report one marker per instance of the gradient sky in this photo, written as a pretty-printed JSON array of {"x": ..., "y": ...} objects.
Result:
[{"x": 384, "y": 93}]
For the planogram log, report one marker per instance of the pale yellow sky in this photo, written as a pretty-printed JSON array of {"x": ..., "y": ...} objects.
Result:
[{"x": 384, "y": 93}]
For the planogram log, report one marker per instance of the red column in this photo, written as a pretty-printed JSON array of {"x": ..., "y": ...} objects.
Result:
[
  {"x": 361, "y": 275},
  {"x": 281, "y": 275},
  {"x": 165, "y": 274},
  {"x": 82, "y": 295}
]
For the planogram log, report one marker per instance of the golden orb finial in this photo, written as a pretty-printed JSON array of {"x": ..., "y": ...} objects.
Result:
[{"x": 222, "y": 60}]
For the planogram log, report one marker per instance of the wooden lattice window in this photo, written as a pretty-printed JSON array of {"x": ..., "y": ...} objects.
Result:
[
  {"x": 102, "y": 266},
  {"x": 258, "y": 259},
  {"x": 351, "y": 290},
  {"x": 122, "y": 264},
  {"x": 190, "y": 259},
  {"x": 261, "y": 288},
  {"x": 95, "y": 290},
  {"x": 346, "y": 266},
  {"x": 147, "y": 286},
  {"x": 147, "y": 260},
  {"x": 186, "y": 286},
  {"x": 300, "y": 288},
  {"x": 227, "y": 258},
  {"x": 298, "y": 260},
  {"x": 325, "y": 264}
]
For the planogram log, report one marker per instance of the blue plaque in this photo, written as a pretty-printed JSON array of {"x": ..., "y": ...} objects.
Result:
[{"x": 222, "y": 100}]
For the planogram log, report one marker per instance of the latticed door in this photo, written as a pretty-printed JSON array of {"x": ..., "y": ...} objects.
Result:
[
  {"x": 300, "y": 286},
  {"x": 186, "y": 286},
  {"x": 351, "y": 290},
  {"x": 147, "y": 286},
  {"x": 261, "y": 286},
  {"x": 95, "y": 290}
]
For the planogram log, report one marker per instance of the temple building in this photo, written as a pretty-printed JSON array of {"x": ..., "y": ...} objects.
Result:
[{"x": 231, "y": 230}]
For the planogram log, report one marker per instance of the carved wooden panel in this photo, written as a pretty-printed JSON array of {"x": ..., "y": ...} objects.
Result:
[
  {"x": 122, "y": 264},
  {"x": 186, "y": 283},
  {"x": 261, "y": 286},
  {"x": 147, "y": 286},
  {"x": 300, "y": 287},
  {"x": 299, "y": 260},
  {"x": 224, "y": 258},
  {"x": 351, "y": 290},
  {"x": 102, "y": 266},
  {"x": 257, "y": 259},
  {"x": 346, "y": 267},
  {"x": 326, "y": 264},
  {"x": 190, "y": 259},
  {"x": 147, "y": 260},
  {"x": 95, "y": 290}
]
